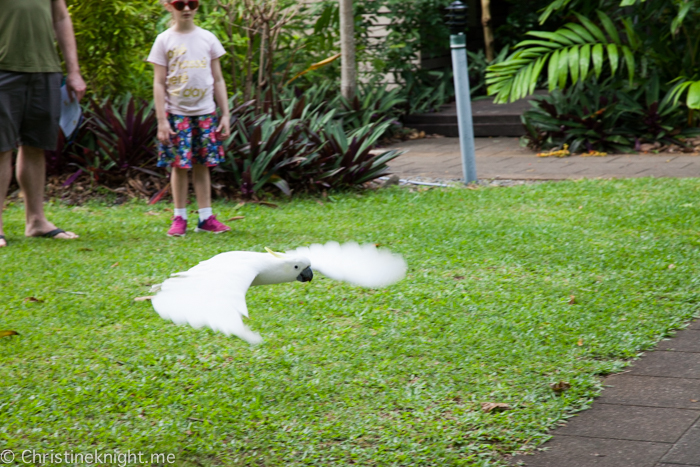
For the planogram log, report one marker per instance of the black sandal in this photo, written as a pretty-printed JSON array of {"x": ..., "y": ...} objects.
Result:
[{"x": 52, "y": 233}]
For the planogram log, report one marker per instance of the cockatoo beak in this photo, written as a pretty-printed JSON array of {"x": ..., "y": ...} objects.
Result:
[{"x": 306, "y": 275}]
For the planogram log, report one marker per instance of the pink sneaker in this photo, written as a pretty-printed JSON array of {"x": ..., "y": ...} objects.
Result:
[
  {"x": 178, "y": 227},
  {"x": 212, "y": 225}
]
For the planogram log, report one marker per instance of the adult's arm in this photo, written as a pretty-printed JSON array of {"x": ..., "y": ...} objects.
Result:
[{"x": 63, "y": 27}]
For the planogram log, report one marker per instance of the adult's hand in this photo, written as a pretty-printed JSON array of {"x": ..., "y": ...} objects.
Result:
[
  {"x": 63, "y": 28},
  {"x": 76, "y": 86}
]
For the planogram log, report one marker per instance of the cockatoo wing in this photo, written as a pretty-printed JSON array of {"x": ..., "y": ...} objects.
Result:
[
  {"x": 211, "y": 294},
  {"x": 362, "y": 265}
]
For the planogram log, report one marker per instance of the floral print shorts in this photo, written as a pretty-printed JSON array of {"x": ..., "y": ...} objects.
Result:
[{"x": 195, "y": 142}]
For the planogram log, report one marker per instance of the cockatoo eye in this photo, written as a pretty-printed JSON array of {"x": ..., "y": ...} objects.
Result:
[{"x": 296, "y": 267}]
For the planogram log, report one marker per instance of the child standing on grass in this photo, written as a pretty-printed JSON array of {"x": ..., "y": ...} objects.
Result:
[{"x": 187, "y": 81}]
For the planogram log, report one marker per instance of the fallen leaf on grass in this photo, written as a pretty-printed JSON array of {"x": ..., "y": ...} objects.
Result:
[
  {"x": 458, "y": 278},
  {"x": 235, "y": 218},
  {"x": 560, "y": 387},
  {"x": 489, "y": 407},
  {"x": 151, "y": 213},
  {"x": 572, "y": 299},
  {"x": 580, "y": 342},
  {"x": 671, "y": 266},
  {"x": 85, "y": 249},
  {"x": 8, "y": 333},
  {"x": 32, "y": 299},
  {"x": 159, "y": 195},
  {"x": 115, "y": 265},
  {"x": 143, "y": 299},
  {"x": 268, "y": 204}
]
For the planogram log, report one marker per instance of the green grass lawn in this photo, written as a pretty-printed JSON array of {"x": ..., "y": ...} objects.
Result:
[{"x": 388, "y": 377}]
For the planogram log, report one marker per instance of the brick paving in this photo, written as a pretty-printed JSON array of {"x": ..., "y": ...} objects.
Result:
[
  {"x": 648, "y": 416},
  {"x": 502, "y": 158}
]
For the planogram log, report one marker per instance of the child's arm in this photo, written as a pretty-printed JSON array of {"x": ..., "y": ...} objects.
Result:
[
  {"x": 221, "y": 97},
  {"x": 164, "y": 129}
]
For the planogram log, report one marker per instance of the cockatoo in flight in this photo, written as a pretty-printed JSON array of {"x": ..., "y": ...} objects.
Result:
[{"x": 225, "y": 279}]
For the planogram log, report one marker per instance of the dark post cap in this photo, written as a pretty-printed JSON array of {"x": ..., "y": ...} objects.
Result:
[{"x": 457, "y": 17}]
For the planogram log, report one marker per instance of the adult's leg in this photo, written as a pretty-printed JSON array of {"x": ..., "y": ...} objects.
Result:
[
  {"x": 31, "y": 175},
  {"x": 202, "y": 185},
  {"x": 179, "y": 183},
  {"x": 5, "y": 178}
]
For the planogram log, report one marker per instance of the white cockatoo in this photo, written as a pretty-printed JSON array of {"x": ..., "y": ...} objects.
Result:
[{"x": 225, "y": 278}]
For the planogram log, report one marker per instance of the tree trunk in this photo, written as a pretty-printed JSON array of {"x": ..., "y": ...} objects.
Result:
[
  {"x": 488, "y": 32},
  {"x": 348, "y": 71}
]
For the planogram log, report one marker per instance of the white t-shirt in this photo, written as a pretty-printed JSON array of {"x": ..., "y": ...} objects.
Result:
[{"x": 189, "y": 84}]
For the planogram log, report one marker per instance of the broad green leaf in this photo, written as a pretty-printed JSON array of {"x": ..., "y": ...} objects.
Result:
[
  {"x": 537, "y": 70},
  {"x": 595, "y": 30},
  {"x": 522, "y": 83},
  {"x": 538, "y": 43},
  {"x": 631, "y": 34},
  {"x": 563, "y": 68},
  {"x": 676, "y": 92},
  {"x": 552, "y": 71},
  {"x": 513, "y": 95},
  {"x": 551, "y": 8},
  {"x": 597, "y": 54},
  {"x": 510, "y": 63},
  {"x": 535, "y": 52},
  {"x": 693, "y": 99},
  {"x": 614, "y": 57},
  {"x": 572, "y": 35},
  {"x": 629, "y": 60},
  {"x": 678, "y": 20},
  {"x": 496, "y": 79},
  {"x": 573, "y": 64},
  {"x": 553, "y": 36},
  {"x": 584, "y": 59},
  {"x": 581, "y": 31},
  {"x": 628, "y": 2},
  {"x": 609, "y": 26}
]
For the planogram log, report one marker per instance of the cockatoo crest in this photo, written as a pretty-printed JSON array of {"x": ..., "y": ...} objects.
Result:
[
  {"x": 212, "y": 293},
  {"x": 276, "y": 255}
]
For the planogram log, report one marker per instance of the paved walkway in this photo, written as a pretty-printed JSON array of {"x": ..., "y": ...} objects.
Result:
[
  {"x": 503, "y": 158},
  {"x": 648, "y": 416}
]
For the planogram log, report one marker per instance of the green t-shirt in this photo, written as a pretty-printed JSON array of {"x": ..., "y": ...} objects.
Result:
[{"x": 27, "y": 37}]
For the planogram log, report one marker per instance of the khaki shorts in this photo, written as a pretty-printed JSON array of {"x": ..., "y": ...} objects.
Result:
[{"x": 30, "y": 108}]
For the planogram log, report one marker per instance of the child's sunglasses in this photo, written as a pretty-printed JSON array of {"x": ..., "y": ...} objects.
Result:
[{"x": 180, "y": 4}]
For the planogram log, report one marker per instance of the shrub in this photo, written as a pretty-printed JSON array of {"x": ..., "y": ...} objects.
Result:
[
  {"x": 114, "y": 38},
  {"x": 301, "y": 148},
  {"x": 598, "y": 116},
  {"x": 296, "y": 147}
]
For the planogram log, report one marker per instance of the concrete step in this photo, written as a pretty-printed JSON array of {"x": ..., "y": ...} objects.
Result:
[
  {"x": 480, "y": 129},
  {"x": 451, "y": 118},
  {"x": 489, "y": 119}
]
